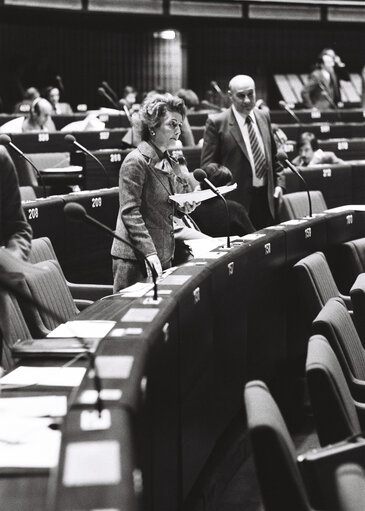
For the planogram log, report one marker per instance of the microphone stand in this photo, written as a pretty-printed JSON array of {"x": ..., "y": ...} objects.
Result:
[{"x": 284, "y": 158}]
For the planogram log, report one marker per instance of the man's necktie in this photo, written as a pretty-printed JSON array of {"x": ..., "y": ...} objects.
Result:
[{"x": 257, "y": 154}]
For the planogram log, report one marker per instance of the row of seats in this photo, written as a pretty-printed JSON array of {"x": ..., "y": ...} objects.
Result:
[{"x": 331, "y": 478}]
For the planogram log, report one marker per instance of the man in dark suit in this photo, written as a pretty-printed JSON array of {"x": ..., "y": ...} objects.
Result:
[
  {"x": 241, "y": 138},
  {"x": 322, "y": 90}
]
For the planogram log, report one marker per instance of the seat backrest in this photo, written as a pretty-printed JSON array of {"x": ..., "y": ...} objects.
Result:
[
  {"x": 281, "y": 484},
  {"x": 12, "y": 327},
  {"x": 350, "y": 487},
  {"x": 27, "y": 193},
  {"x": 357, "y": 293},
  {"x": 333, "y": 407},
  {"x": 42, "y": 250},
  {"x": 335, "y": 324},
  {"x": 43, "y": 284},
  {"x": 295, "y": 205},
  {"x": 50, "y": 160},
  {"x": 316, "y": 282}
]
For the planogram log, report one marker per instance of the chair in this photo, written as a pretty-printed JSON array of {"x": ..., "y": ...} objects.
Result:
[
  {"x": 279, "y": 478},
  {"x": 357, "y": 293},
  {"x": 349, "y": 262},
  {"x": 42, "y": 292},
  {"x": 27, "y": 193},
  {"x": 350, "y": 486},
  {"x": 83, "y": 294},
  {"x": 316, "y": 283},
  {"x": 335, "y": 324},
  {"x": 295, "y": 205},
  {"x": 335, "y": 411},
  {"x": 12, "y": 327}
]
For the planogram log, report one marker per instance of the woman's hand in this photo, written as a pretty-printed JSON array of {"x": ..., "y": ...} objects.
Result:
[
  {"x": 156, "y": 265},
  {"x": 188, "y": 207}
]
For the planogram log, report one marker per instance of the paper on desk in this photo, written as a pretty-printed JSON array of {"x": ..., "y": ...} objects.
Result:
[
  {"x": 89, "y": 329},
  {"x": 201, "y": 195},
  {"x": 69, "y": 168},
  {"x": 49, "y": 376},
  {"x": 28, "y": 443},
  {"x": 34, "y": 406}
]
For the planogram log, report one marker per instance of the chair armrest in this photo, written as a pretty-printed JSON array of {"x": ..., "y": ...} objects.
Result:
[
  {"x": 89, "y": 291},
  {"x": 83, "y": 304}
]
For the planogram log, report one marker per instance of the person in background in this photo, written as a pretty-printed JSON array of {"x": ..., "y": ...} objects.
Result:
[
  {"x": 148, "y": 176},
  {"x": 211, "y": 215},
  {"x": 339, "y": 68},
  {"x": 322, "y": 89},
  {"x": 52, "y": 94},
  {"x": 241, "y": 139},
  {"x": 39, "y": 119},
  {"x": 191, "y": 100},
  {"x": 310, "y": 154},
  {"x": 15, "y": 232},
  {"x": 24, "y": 106},
  {"x": 129, "y": 99}
]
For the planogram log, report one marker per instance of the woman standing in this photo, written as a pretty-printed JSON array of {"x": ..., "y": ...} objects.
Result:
[{"x": 148, "y": 176}]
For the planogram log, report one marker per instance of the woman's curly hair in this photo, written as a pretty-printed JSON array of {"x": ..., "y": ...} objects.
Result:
[{"x": 154, "y": 108}]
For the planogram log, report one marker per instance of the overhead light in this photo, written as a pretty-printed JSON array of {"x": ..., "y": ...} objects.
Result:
[{"x": 165, "y": 34}]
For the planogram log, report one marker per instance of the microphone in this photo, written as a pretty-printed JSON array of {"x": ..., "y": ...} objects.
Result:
[
  {"x": 6, "y": 141},
  {"x": 112, "y": 93},
  {"x": 211, "y": 106},
  {"x": 283, "y": 158},
  {"x": 60, "y": 83},
  {"x": 102, "y": 92},
  {"x": 286, "y": 107},
  {"x": 78, "y": 213},
  {"x": 70, "y": 139},
  {"x": 216, "y": 87},
  {"x": 201, "y": 176}
]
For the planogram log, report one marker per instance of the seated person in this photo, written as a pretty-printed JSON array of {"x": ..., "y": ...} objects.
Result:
[
  {"x": 39, "y": 119},
  {"x": 23, "y": 107},
  {"x": 211, "y": 216},
  {"x": 191, "y": 100},
  {"x": 52, "y": 94},
  {"x": 310, "y": 154}
]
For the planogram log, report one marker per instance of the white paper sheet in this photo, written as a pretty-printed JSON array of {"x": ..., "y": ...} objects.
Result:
[
  {"x": 28, "y": 443},
  {"x": 89, "y": 329},
  {"x": 201, "y": 195},
  {"x": 49, "y": 376},
  {"x": 34, "y": 406}
]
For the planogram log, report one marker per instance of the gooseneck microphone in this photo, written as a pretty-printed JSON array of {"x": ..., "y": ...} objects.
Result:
[
  {"x": 216, "y": 87},
  {"x": 70, "y": 139},
  {"x": 102, "y": 92},
  {"x": 6, "y": 141},
  {"x": 60, "y": 83},
  {"x": 290, "y": 111},
  {"x": 78, "y": 213},
  {"x": 201, "y": 176},
  {"x": 112, "y": 93},
  {"x": 329, "y": 99},
  {"x": 283, "y": 158}
]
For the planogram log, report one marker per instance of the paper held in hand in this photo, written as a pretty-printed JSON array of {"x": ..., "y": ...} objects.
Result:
[{"x": 201, "y": 195}]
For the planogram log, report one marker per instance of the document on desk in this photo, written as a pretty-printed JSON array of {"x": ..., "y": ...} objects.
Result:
[
  {"x": 201, "y": 195},
  {"x": 93, "y": 329},
  {"x": 28, "y": 443},
  {"x": 34, "y": 406},
  {"x": 48, "y": 376}
]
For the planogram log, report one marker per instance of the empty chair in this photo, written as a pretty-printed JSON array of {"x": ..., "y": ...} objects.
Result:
[
  {"x": 336, "y": 414},
  {"x": 279, "y": 478},
  {"x": 350, "y": 487},
  {"x": 295, "y": 205},
  {"x": 44, "y": 285},
  {"x": 316, "y": 284},
  {"x": 357, "y": 293},
  {"x": 83, "y": 294},
  {"x": 348, "y": 261},
  {"x": 335, "y": 324}
]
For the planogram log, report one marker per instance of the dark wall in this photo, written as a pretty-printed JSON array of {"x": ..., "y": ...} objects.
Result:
[{"x": 88, "y": 48}]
